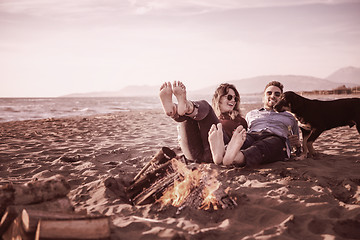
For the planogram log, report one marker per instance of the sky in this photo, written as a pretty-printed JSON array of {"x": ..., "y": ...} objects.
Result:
[{"x": 50, "y": 48}]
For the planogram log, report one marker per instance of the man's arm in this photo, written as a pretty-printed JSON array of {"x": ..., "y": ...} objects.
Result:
[{"x": 294, "y": 139}]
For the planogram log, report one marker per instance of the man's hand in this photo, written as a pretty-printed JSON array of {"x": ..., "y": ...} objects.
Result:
[{"x": 294, "y": 141}]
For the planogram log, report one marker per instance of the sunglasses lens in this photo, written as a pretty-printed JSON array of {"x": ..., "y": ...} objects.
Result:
[
  {"x": 230, "y": 97},
  {"x": 277, "y": 94}
]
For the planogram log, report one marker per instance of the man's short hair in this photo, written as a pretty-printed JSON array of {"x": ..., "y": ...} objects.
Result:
[{"x": 276, "y": 84}]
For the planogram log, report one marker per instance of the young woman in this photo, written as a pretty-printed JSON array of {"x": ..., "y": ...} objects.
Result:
[{"x": 197, "y": 117}]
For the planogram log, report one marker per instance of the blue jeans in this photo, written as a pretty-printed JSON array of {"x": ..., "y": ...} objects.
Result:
[
  {"x": 263, "y": 147},
  {"x": 193, "y": 132}
]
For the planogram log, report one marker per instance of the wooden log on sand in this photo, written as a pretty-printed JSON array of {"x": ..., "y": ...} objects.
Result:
[
  {"x": 33, "y": 192},
  {"x": 16, "y": 231},
  {"x": 12, "y": 211},
  {"x": 31, "y": 218},
  {"x": 37, "y": 224},
  {"x": 87, "y": 228}
]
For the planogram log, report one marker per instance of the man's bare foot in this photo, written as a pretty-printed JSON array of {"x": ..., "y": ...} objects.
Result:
[
  {"x": 184, "y": 106},
  {"x": 233, "y": 154},
  {"x": 216, "y": 141},
  {"x": 166, "y": 99}
]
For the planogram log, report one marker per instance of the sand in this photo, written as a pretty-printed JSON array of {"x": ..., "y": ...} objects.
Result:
[{"x": 307, "y": 199}]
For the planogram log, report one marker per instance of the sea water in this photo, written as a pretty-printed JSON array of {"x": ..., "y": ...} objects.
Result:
[
  {"x": 14, "y": 109},
  {"x": 17, "y": 109}
]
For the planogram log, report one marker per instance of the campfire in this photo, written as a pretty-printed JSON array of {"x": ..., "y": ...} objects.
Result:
[{"x": 173, "y": 182}]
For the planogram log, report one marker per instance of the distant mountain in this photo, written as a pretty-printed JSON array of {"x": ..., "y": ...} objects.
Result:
[
  {"x": 290, "y": 82},
  {"x": 90, "y": 94},
  {"x": 132, "y": 91},
  {"x": 139, "y": 91},
  {"x": 349, "y": 76},
  {"x": 346, "y": 75}
]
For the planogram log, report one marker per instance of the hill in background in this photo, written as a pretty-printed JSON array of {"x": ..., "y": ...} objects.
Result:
[{"x": 349, "y": 76}]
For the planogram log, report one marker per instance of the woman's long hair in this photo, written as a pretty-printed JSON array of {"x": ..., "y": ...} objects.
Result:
[{"x": 223, "y": 90}]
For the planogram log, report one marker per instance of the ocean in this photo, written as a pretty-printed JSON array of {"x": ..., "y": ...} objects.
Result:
[{"x": 18, "y": 109}]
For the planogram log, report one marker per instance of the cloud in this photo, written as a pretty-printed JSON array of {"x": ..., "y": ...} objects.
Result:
[
  {"x": 141, "y": 7},
  {"x": 62, "y": 8},
  {"x": 191, "y": 7}
]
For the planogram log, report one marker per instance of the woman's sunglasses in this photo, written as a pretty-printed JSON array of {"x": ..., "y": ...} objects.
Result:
[
  {"x": 230, "y": 97},
  {"x": 277, "y": 94}
]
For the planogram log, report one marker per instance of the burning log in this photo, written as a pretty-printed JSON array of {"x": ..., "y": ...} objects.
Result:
[
  {"x": 148, "y": 180},
  {"x": 177, "y": 184},
  {"x": 164, "y": 155},
  {"x": 161, "y": 167},
  {"x": 215, "y": 201},
  {"x": 151, "y": 194},
  {"x": 199, "y": 189}
]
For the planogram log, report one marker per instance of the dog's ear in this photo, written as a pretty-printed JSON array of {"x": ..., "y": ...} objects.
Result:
[{"x": 295, "y": 102}]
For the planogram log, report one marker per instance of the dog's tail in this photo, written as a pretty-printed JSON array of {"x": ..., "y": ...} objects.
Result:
[
  {"x": 357, "y": 122},
  {"x": 357, "y": 114}
]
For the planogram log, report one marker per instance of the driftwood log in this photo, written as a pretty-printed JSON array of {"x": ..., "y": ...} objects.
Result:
[
  {"x": 33, "y": 192},
  {"x": 16, "y": 231},
  {"x": 89, "y": 226},
  {"x": 47, "y": 194},
  {"x": 38, "y": 224},
  {"x": 12, "y": 211}
]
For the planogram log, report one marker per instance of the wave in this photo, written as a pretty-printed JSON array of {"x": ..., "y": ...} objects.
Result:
[{"x": 8, "y": 109}]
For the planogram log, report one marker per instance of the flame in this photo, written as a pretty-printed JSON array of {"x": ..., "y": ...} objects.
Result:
[
  {"x": 190, "y": 179},
  {"x": 177, "y": 194},
  {"x": 212, "y": 184}
]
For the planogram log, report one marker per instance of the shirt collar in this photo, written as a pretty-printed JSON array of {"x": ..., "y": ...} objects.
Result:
[{"x": 263, "y": 109}]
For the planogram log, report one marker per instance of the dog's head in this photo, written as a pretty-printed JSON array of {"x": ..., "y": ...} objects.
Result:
[{"x": 285, "y": 102}]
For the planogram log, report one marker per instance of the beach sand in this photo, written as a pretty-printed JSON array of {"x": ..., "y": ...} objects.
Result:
[{"x": 98, "y": 155}]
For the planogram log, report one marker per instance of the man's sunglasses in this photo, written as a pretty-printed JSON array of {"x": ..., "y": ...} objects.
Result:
[
  {"x": 230, "y": 97},
  {"x": 277, "y": 94}
]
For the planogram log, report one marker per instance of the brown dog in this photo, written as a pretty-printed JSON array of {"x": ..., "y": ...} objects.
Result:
[{"x": 318, "y": 116}]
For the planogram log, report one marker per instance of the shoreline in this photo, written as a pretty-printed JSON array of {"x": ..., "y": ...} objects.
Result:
[{"x": 88, "y": 107}]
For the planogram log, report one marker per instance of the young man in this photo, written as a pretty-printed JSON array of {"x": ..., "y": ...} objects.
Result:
[{"x": 269, "y": 137}]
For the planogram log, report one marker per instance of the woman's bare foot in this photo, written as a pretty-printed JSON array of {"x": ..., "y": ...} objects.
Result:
[
  {"x": 184, "y": 106},
  {"x": 166, "y": 99},
  {"x": 233, "y": 154},
  {"x": 216, "y": 141}
]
